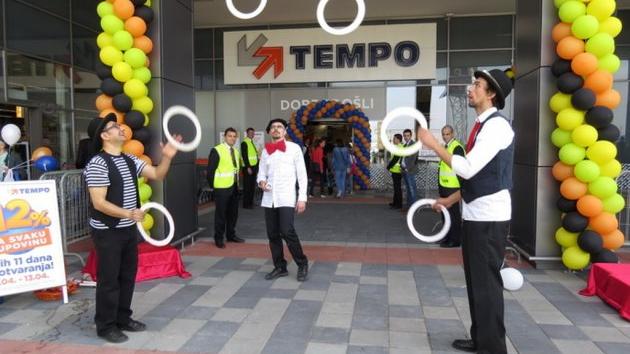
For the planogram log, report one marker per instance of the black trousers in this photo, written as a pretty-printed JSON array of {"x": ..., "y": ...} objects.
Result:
[
  {"x": 249, "y": 186},
  {"x": 225, "y": 212},
  {"x": 117, "y": 251},
  {"x": 397, "y": 178},
  {"x": 279, "y": 223},
  {"x": 483, "y": 249},
  {"x": 321, "y": 177},
  {"x": 454, "y": 234}
]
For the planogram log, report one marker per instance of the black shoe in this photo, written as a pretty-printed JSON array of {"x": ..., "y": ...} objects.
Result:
[
  {"x": 276, "y": 273},
  {"x": 302, "y": 273},
  {"x": 133, "y": 326},
  {"x": 114, "y": 336},
  {"x": 219, "y": 243},
  {"x": 467, "y": 345},
  {"x": 235, "y": 239},
  {"x": 449, "y": 244}
]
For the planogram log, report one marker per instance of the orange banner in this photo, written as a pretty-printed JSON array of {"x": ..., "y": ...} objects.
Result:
[{"x": 24, "y": 241}]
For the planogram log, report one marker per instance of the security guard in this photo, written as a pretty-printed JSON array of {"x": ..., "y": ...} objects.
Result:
[
  {"x": 250, "y": 168},
  {"x": 449, "y": 184},
  {"x": 396, "y": 171},
  {"x": 223, "y": 169}
]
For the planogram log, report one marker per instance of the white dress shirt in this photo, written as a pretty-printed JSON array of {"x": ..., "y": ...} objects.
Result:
[
  {"x": 496, "y": 135},
  {"x": 281, "y": 170}
]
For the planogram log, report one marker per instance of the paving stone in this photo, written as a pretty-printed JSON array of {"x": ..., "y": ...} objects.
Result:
[
  {"x": 408, "y": 340},
  {"x": 220, "y": 329},
  {"x": 567, "y": 346},
  {"x": 311, "y": 295},
  {"x": 364, "y": 337},
  {"x": 319, "y": 348},
  {"x": 336, "y": 320},
  {"x": 204, "y": 343},
  {"x": 370, "y": 280},
  {"x": 405, "y": 311},
  {"x": 278, "y": 346},
  {"x": 348, "y": 279},
  {"x": 563, "y": 332},
  {"x": 353, "y": 349},
  {"x": 329, "y": 335},
  {"x": 442, "y": 313},
  {"x": 348, "y": 268},
  {"x": 413, "y": 325},
  {"x": 604, "y": 334},
  {"x": 614, "y": 348},
  {"x": 231, "y": 315},
  {"x": 370, "y": 322},
  {"x": 242, "y": 302}
]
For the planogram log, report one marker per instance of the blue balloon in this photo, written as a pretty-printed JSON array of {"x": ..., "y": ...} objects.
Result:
[{"x": 47, "y": 163}]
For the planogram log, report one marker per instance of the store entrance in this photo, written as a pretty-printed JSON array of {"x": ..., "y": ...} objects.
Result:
[{"x": 330, "y": 130}]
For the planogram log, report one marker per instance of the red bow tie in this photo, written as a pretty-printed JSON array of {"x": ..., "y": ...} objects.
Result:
[{"x": 272, "y": 147}]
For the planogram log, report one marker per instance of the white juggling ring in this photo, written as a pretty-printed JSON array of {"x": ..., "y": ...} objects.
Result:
[
  {"x": 242, "y": 15},
  {"x": 343, "y": 30},
  {"x": 389, "y": 118},
  {"x": 171, "y": 225},
  {"x": 175, "y": 110},
  {"x": 440, "y": 235}
]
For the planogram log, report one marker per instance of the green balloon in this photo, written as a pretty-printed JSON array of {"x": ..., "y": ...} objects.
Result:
[
  {"x": 586, "y": 171},
  {"x": 122, "y": 71},
  {"x": 584, "y": 135},
  {"x": 147, "y": 222},
  {"x": 123, "y": 40},
  {"x": 104, "y": 39},
  {"x": 609, "y": 62},
  {"x": 565, "y": 238},
  {"x": 600, "y": 44},
  {"x": 602, "y": 187},
  {"x": 611, "y": 169},
  {"x": 614, "y": 204},
  {"x": 571, "y": 154},
  {"x": 143, "y": 74},
  {"x": 602, "y": 152},
  {"x": 135, "y": 57},
  {"x": 146, "y": 119},
  {"x": 611, "y": 25},
  {"x": 559, "y": 3},
  {"x": 112, "y": 24},
  {"x": 569, "y": 118},
  {"x": 141, "y": 180},
  {"x": 574, "y": 258},
  {"x": 142, "y": 104},
  {"x": 560, "y": 138},
  {"x": 145, "y": 192},
  {"x": 104, "y": 8},
  {"x": 110, "y": 55},
  {"x": 560, "y": 101},
  {"x": 585, "y": 26},
  {"x": 601, "y": 8},
  {"x": 134, "y": 88},
  {"x": 571, "y": 10}
]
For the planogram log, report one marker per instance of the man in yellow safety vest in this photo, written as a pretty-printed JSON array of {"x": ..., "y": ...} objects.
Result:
[
  {"x": 249, "y": 153},
  {"x": 449, "y": 184},
  {"x": 394, "y": 168}
]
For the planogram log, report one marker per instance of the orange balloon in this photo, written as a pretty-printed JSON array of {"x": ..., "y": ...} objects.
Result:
[
  {"x": 146, "y": 159},
  {"x": 584, "y": 64},
  {"x": 41, "y": 151},
  {"x": 136, "y": 26},
  {"x": 571, "y": 188},
  {"x": 613, "y": 240},
  {"x": 120, "y": 117},
  {"x": 123, "y": 9},
  {"x": 599, "y": 81},
  {"x": 145, "y": 44},
  {"x": 560, "y": 30},
  {"x": 561, "y": 171},
  {"x": 127, "y": 132},
  {"x": 147, "y": 62},
  {"x": 103, "y": 102},
  {"x": 610, "y": 99},
  {"x": 569, "y": 46},
  {"x": 133, "y": 147},
  {"x": 603, "y": 223},
  {"x": 590, "y": 205}
]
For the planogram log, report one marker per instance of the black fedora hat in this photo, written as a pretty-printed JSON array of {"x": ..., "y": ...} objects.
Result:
[
  {"x": 96, "y": 127},
  {"x": 500, "y": 83}
]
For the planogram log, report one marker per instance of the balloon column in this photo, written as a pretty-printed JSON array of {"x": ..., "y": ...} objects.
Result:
[
  {"x": 124, "y": 71},
  {"x": 585, "y": 135},
  {"x": 347, "y": 112}
]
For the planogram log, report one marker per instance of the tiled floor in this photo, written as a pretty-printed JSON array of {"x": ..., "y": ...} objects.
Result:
[{"x": 361, "y": 297}]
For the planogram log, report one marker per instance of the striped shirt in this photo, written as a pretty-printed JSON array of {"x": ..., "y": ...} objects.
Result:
[{"x": 97, "y": 175}]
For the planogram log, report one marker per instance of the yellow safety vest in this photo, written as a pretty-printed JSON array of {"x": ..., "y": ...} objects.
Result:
[
  {"x": 225, "y": 174},
  {"x": 252, "y": 154},
  {"x": 448, "y": 178},
  {"x": 396, "y": 168}
]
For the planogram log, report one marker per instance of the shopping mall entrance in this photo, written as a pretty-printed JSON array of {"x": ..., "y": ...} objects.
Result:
[{"x": 329, "y": 129}]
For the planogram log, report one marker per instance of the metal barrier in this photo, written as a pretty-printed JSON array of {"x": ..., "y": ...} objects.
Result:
[{"x": 73, "y": 200}]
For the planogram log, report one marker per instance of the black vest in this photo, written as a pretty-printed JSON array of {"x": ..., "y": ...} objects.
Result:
[
  {"x": 495, "y": 176},
  {"x": 115, "y": 191}
]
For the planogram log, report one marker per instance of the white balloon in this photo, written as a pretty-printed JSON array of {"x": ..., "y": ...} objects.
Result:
[
  {"x": 11, "y": 134},
  {"x": 512, "y": 279}
]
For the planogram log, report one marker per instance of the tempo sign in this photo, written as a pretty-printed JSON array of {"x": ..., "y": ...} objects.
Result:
[{"x": 393, "y": 52}]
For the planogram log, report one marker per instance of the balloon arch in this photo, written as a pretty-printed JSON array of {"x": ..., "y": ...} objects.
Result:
[{"x": 347, "y": 112}]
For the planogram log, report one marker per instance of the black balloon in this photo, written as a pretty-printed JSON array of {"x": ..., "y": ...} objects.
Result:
[
  {"x": 609, "y": 132},
  {"x": 145, "y": 13},
  {"x": 574, "y": 222},
  {"x": 599, "y": 116},
  {"x": 583, "y": 99},
  {"x": 590, "y": 241},
  {"x": 566, "y": 205},
  {"x": 111, "y": 87},
  {"x": 122, "y": 103},
  {"x": 103, "y": 71},
  {"x": 560, "y": 67},
  {"x": 134, "y": 119},
  {"x": 605, "y": 256},
  {"x": 569, "y": 82},
  {"x": 143, "y": 135},
  {"x": 138, "y": 2}
]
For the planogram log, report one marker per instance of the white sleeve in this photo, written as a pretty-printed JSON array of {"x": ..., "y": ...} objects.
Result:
[
  {"x": 262, "y": 167},
  {"x": 300, "y": 170}
]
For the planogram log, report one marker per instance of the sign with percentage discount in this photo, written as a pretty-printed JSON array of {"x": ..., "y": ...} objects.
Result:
[{"x": 31, "y": 251}]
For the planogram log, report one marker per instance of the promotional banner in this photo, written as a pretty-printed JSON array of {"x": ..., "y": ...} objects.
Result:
[
  {"x": 371, "y": 53},
  {"x": 31, "y": 250}
]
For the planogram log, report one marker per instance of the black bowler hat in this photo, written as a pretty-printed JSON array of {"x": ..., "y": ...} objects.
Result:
[
  {"x": 500, "y": 83},
  {"x": 96, "y": 127}
]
